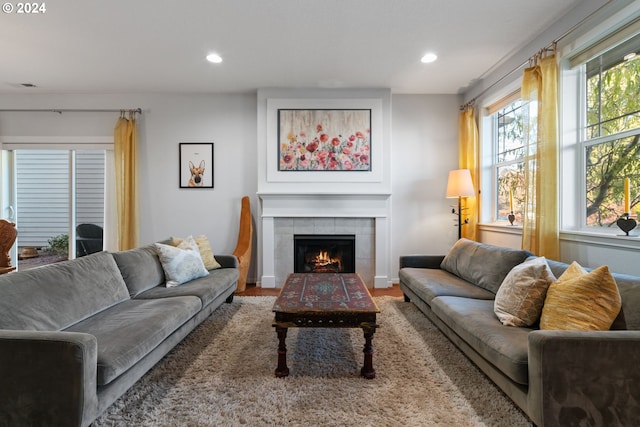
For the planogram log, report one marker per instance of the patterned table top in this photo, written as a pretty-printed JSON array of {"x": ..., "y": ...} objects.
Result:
[{"x": 325, "y": 292}]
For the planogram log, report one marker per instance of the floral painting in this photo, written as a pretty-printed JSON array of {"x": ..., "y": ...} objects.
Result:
[{"x": 324, "y": 140}]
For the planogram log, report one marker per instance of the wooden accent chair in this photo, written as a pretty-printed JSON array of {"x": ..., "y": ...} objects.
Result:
[
  {"x": 8, "y": 235},
  {"x": 243, "y": 247}
]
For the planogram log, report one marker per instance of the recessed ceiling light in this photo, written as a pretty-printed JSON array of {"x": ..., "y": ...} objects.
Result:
[
  {"x": 214, "y": 57},
  {"x": 428, "y": 58},
  {"x": 630, "y": 56}
]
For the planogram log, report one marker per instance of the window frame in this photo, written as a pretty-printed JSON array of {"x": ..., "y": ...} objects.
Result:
[
  {"x": 489, "y": 200},
  {"x": 497, "y": 164},
  {"x": 574, "y": 140},
  {"x": 575, "y": 239}
]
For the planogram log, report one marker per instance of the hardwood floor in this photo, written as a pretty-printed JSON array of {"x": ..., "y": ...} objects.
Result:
[
  {"x": 253, "y": 290},
  {"x": 393, "y": 291}
]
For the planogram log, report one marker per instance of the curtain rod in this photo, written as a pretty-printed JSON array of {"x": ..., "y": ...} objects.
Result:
[
  {"x": 71, "y": 110},
  {"x": 549, "y": 46}
]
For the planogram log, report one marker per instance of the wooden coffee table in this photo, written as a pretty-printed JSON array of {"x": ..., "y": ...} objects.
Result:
[{"x": 325, "y": 300}]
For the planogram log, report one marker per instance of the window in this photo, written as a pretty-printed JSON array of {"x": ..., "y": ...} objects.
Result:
[
  {"x": 599, "y": 136},
  {"x": 508, "y": 159},
  {"x": 610, "y": 137}
]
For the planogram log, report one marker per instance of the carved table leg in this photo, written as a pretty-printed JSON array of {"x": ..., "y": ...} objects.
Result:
[
  {"x": 282, "y": 370},
  {"x": 367, "y": 370}
]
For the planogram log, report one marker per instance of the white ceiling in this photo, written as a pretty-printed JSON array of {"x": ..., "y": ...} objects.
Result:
[{"x": 121, "y": 46}]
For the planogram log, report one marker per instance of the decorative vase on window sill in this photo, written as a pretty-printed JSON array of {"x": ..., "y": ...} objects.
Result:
[
  {"x": 626, "y": 224},
  {"x": 511, "y": 217}
]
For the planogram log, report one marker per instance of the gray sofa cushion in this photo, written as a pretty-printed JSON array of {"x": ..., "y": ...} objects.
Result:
[
  {"x": 429, "y": 283},
  {"x": 131, "y": 329},
  {"x": 506, "y": 347},
  {"x": 481, "y": 264},
  {"x": 140, "y": 268},
  {"x": 206, "y": 288},
  {"x": 56, "y": 296}
]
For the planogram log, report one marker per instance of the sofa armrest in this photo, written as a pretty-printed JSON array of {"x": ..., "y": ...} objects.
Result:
[
  {"x": 584, "y": 377},
  {"x": 421, "y": 261},
  {"x": 48, "y": 378},
  {"x": 227, "y": 261}
]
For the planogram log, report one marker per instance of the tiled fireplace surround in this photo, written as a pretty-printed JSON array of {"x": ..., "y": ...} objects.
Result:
[
  {"x": 362, "y": 228},
  {"x": 365, "y": 216}
]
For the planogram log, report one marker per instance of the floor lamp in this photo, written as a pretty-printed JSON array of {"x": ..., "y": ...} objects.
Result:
[{"x": 460, "y": 185}]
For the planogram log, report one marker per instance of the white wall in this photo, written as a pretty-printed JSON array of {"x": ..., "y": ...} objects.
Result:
[
  {"x": 424, "y": 148},
  {"x": 229, "y": 121},
  {"x": 502, "y": 73}
]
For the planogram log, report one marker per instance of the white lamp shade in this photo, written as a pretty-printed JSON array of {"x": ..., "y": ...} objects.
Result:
[{"x": 460, "y": 184}]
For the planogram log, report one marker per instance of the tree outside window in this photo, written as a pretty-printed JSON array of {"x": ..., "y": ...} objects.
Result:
[
  {"x": 611, "y": 145},
  {"x": 510, "y": 152}
]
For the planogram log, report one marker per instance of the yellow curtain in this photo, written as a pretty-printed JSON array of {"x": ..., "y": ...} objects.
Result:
[
  {"x": 126, "y": 165},
  {"x": 468, "y": 153},
  {"x": 540, "y": 219}
]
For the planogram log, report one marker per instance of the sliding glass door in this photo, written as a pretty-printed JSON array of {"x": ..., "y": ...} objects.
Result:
[{"x": 58, "y": 203}]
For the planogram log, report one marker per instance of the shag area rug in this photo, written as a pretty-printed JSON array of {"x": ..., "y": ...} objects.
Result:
[{"x": 222, "y": 374}]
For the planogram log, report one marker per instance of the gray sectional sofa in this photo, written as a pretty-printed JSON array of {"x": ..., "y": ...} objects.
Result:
[
  {"x": 558, "y": 378},
  {"x": 74, "y": 336}
]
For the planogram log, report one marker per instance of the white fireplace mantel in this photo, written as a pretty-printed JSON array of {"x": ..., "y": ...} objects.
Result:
[{"x": 326, "y": 205}]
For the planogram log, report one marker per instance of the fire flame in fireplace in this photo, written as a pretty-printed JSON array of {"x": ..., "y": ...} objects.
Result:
[{"x": 324, "y": 262}]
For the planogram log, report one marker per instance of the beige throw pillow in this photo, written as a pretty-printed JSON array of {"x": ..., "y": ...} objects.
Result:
[
  {"x": 581, "y": 301},
  {"x": 521, "y": 295},
  {"x": 204, "y": 247}
]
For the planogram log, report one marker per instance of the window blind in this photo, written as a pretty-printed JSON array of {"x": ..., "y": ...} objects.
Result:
[
  {"x": 607, "y": 43},
  {"x": 503, "y": 102}
]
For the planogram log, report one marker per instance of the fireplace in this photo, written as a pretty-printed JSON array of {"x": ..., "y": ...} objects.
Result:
[
  {"x": 324, "y": 253},
  {"x": 363, "y": 215}
]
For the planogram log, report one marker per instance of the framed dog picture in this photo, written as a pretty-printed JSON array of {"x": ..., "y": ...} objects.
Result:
[{"x": 196, "y": 165}]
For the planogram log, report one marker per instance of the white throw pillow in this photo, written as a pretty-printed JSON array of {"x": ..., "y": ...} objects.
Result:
[
  {"x": 521, "y": 295},
  {"x": 182, "y": 263}
]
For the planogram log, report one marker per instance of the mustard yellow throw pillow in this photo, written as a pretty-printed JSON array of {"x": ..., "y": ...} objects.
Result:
[
  {"x": 521, "y": 295},
  {"x": 581, "y": 301},
  {"x": 204, "y": 247}
]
